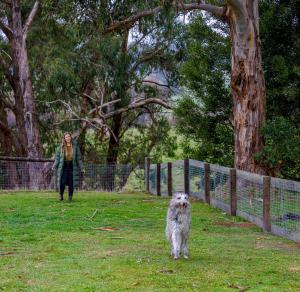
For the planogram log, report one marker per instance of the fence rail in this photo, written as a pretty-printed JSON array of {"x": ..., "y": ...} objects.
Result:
[
  {"x": 37, "y": 174},
  {"x": 271, "y": 203}
]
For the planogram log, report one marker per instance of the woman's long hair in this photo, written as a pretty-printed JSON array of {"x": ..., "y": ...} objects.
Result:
[{"x": 64, "y": 143}]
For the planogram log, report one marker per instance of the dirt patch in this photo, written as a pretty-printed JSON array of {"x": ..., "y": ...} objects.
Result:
[
  {"x": 7, "y": 253},
  {"x": 294, "y": 269},
  {"x": 10, "y": 210},
  {"x": 235, "y": 224},
  {"x": 118, "y": 201},
  {"x": 263, "y": 242},
  {"x": 166, "y": 271},
  {"x": 106, "y": 228}
]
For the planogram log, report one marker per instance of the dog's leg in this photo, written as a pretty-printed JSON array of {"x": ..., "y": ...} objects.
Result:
[
  {"x": 176, "y": 242},
  {"x": 185, "y": 248}
]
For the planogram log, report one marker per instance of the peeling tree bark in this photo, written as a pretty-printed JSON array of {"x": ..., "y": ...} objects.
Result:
[
  {"x": 247, "y": 82},
  {"x": 22, "y": 78}
]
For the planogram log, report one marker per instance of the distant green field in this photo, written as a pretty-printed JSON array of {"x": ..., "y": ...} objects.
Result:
[{"x": 116, "y": 242}]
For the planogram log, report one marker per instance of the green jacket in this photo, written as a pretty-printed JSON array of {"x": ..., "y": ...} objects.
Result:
[{"x": 59, "y": 164}]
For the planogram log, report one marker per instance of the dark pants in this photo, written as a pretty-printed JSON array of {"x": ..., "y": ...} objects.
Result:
[{"x": 67, "y": 179}]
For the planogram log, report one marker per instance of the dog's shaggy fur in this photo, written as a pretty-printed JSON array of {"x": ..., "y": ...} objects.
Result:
[{"x": 178, "y": 224}]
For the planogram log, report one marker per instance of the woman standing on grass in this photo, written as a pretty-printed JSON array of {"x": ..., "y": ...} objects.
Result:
[{"x": 67, "y": 165}]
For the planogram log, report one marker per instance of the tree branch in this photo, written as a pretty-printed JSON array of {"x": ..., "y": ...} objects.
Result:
[
  {"x": 7, "y": 74},
  {"x": 129, "y": 22},
  {"x": 6, "y": 30},
  {"x": 7, "y": 2},
  {"x": 138, "y": 104},
  {"x": 30, "y": 19},
  {"x": 146, "y": 57},
  {"x": 216, "y": 10},
  {"x": 99, "y": 108},
  {"x": 5, "y": 101},
  {"x": 158, "y": 84},
  {"x": 135, "y": 44},
  {"x": 4, "y": 128}
]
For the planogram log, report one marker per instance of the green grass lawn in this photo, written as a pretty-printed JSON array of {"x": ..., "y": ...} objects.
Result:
[{"x": 47, "y": 245}]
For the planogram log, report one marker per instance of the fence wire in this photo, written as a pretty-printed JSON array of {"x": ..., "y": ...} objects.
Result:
[
  {"x": 178, "y": 176},
  {"x": 197, "y": 181},
  {"x": 219, "y": 186},
  {"x": 285, "y": 195},
  {"x": 285, "y": 205},
  {"x": 164, "y": 179},
  {"x": 250, "y": 196},
  {"x": 153, "y": 179},
  {"x": 36, "y": 175}
]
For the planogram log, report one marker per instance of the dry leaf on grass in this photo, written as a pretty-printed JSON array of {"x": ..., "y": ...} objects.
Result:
[
  {"x": 166, "y": 271},
  {"x": 294, "y": 269},
  {"x": 106, "y": 228},
  {"x": 7, "y": 253},
  {"x": 241, "y": 289}
]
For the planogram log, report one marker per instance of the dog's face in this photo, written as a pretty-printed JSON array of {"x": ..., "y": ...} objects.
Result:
[{"x": 180, "y": 200}]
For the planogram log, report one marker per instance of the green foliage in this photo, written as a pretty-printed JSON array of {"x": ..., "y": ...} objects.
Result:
[
  {"x": 279, "y": 29},
  {"x": 281, "y": 153},
  {"x": 139, "y": 141},
  {"x": 203, "y": 112},
  {"x": 70, "y": 54}
]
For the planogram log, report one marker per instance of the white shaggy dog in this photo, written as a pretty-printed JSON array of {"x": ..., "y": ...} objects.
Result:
[{"x": 178, "y": 224}]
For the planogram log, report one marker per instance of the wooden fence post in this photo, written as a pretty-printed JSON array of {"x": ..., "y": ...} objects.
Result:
[
  {"x": 267, "y": 203},
  {"x": 186, "y": 176},
  {"x": 206, "y": 182},
  {"x": 158, "y": 179},
  {"x": 147, "y": 174},
  {"x": 233, "y": 198},
  {"x": 170, "y": 178}
]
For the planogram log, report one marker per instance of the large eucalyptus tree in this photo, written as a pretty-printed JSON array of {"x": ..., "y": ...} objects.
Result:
[
  {"x": 247, "y": 77},
  {"x": 15, "y": 23}
]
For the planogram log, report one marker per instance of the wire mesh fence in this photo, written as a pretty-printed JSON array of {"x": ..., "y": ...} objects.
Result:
[
  {"x": 178, "y": 176},
  {"x": 164, "y": 179},
  {"x": 22, "y": 174},
  {"x": 197, "y": 180},
  {"x": 285, "y": 207},
  {"x": 237, "y": 192},
  {"x": 153, "y": 179},
  {"x": 250, "y": 196},
  {"x": 219, "y": 186}
]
